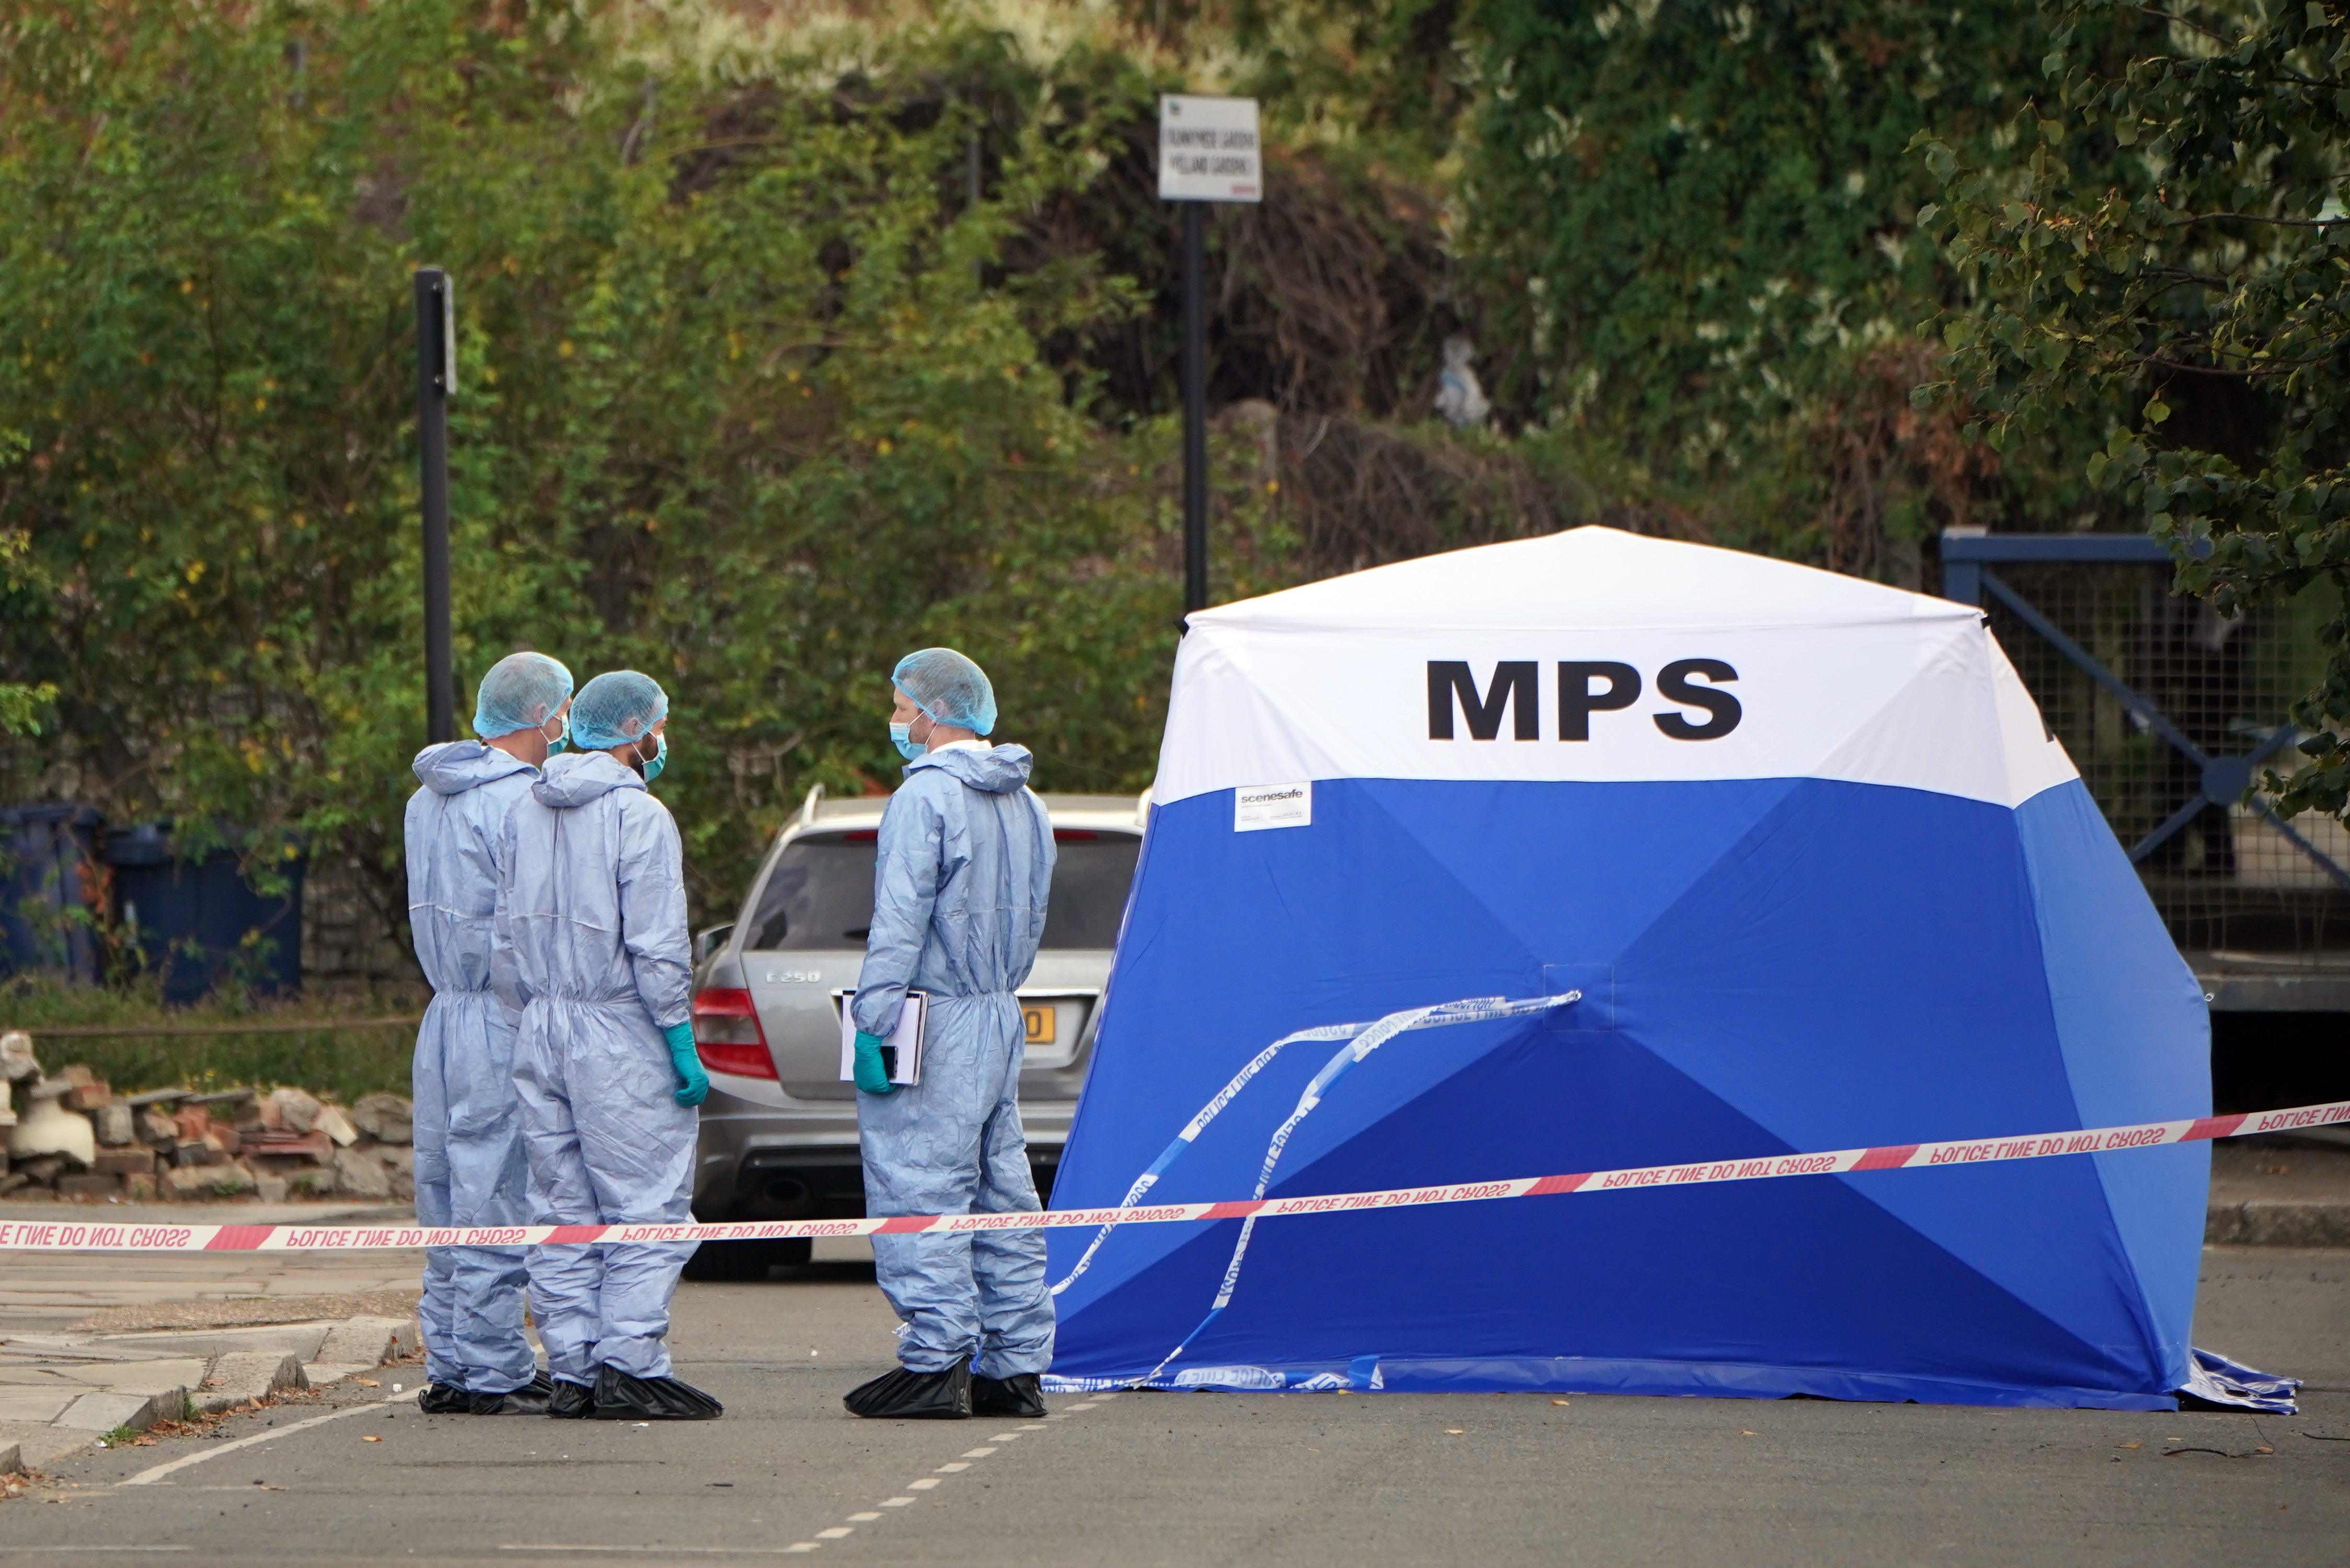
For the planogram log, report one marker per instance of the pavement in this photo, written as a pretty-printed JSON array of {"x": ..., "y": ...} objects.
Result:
[
  {"x": 2282, "y": 1191},
  {"x": 352, "y": 1476},
  {"x": 60, "y": 1393},
  {"x": 92, "y": 1344}
]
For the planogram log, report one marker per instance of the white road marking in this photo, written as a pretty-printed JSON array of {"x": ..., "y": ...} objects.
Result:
[
  {"x": 45, "y": 1550},
  {"x": 664, "y": 1551},
  {"x": 150, "y": 1477},
  {"x": 840, "y": 1531}
]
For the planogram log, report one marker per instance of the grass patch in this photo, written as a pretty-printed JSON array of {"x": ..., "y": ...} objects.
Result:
[{"x": 343, "y": 1063}]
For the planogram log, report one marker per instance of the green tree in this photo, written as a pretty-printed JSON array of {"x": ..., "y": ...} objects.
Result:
[
  {"x": 737, "y": 406},
  {"x": 20, "y": 705},
  {"x": 2164, "y": 254},
  {"x": 1698, "y": 220}
]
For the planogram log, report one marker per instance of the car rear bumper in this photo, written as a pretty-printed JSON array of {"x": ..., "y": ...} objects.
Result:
[{"x": 801, "y": 1161}]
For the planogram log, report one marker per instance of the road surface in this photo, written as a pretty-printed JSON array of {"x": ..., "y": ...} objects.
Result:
[{"x": 1341, "y": 1480}]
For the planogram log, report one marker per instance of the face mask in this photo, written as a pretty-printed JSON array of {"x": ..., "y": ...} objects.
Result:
[
  {"x": 902, "y": 737},
  {"x": 660, "y": 760},
  {"x": 562, "y": 742}
]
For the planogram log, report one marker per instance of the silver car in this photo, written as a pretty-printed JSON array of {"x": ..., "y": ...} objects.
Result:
[{"x": 779, "y": 1129}]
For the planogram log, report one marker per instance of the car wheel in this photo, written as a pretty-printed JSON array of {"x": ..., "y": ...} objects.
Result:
[{"x": 746, "y": 1260}]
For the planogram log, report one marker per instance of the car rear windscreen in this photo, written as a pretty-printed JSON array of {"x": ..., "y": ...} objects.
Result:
[{"x": 820, "y": 894}]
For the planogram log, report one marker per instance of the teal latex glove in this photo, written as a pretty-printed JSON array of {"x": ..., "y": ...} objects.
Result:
[
  {"x": 687, "y": 1062},
  {"x": 870, "y": 1076}
]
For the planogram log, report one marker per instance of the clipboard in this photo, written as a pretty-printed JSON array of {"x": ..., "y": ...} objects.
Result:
[{"x": 901, "y": 1057}]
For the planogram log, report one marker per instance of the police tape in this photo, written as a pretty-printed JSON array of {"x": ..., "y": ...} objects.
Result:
[{"x": 74, "y": 1236}]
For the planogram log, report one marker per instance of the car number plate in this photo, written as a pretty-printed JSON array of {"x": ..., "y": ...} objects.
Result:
[{"x": 1039, "y": 1021}]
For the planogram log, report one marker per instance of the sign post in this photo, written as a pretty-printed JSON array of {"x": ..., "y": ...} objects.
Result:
[
  {"x": 1208, "y": 151},
  {"x": 436, "y": 378}
]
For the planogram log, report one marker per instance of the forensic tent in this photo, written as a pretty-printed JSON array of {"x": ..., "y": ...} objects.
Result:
[{"x": 1822, "y": 879}]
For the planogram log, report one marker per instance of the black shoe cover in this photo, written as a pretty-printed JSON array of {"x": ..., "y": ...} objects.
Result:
[
  {"x": 906, "y": 1395},
  {"x": 571, "y": 1401},
  {"x": 444, "y": 1400},
  {"x": 620, "y": 1396},
  {"x": 1017, "y": 1394},
  {"x": 530, "y": 1399}
]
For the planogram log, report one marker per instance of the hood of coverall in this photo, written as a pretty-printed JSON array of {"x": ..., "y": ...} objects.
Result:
[
  {"x": 452, "y": 767},
  {"x": 999, "y": 770},
  {"x": 575, "y": 778}
]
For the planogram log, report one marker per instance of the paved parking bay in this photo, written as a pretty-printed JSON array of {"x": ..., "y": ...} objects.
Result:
[{"x": 1184, "y": 1479}]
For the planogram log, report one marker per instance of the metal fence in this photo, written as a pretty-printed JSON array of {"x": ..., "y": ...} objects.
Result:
[{"x": 2171, "y": 713}]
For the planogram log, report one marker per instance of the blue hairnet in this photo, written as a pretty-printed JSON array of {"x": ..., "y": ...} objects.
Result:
[
  {"x": 521, "y": 691},
  {"x": 616, "y": 708},
  {"x": 948, "y": 687}
]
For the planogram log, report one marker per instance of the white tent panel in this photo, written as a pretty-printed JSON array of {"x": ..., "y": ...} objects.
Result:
[{"x": 1598, "y": 655}]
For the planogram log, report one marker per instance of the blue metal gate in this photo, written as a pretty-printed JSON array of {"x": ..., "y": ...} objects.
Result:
[{"x": 2171, "y": 713}]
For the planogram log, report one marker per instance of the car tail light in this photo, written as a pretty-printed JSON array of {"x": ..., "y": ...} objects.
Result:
[
  {"x": 1073, "y": 835},
  {"x": 727, "y": 1034}
]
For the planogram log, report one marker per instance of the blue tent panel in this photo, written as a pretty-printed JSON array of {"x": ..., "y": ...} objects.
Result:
[
  {"x": 2136, "y": 1041},
  {"x": 1773, "y": 965}
]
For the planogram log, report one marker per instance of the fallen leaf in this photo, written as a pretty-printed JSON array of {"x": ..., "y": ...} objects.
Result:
[{"x": 369, "y": 1383}]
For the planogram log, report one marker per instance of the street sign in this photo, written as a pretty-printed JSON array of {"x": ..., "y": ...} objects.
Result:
[{"x": 1208, "y": 149}]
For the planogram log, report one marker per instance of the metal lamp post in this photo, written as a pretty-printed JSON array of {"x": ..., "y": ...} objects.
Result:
[{"x": 436, "y": 378}]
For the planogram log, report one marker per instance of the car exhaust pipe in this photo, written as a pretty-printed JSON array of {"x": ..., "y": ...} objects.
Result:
[{"x": 789, "y": 1194}]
